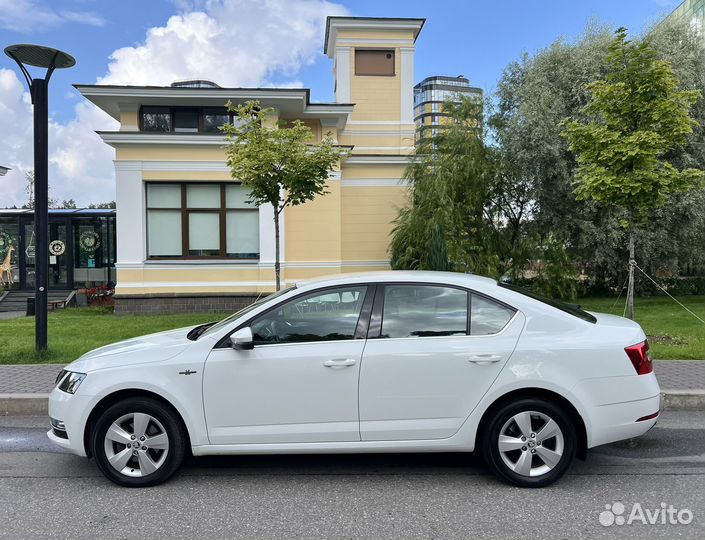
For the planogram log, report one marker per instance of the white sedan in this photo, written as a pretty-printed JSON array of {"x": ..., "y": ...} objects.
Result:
[{"x": 376, "y": 362}]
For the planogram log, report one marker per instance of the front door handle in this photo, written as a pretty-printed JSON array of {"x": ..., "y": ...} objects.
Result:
[
  {"x": 340, "y": 362},
  {"x": 485, "y": 359}
]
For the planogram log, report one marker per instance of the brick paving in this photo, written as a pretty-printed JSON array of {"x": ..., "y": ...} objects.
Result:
[
  {"x": 680, "y": 374},
  {"x": 28, "y": 378},
  {"x": 39, "y": 378}
]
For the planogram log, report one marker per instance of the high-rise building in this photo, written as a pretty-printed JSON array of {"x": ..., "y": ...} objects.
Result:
[{"x": 429, "y": 97}]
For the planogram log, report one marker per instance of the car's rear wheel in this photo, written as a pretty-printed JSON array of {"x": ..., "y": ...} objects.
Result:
[
  {"x": 138, "y": 442},
  {"x": 529, "y": 443}
]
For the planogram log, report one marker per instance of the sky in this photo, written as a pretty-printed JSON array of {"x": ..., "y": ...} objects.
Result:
[{"x": 244, "y": 43}]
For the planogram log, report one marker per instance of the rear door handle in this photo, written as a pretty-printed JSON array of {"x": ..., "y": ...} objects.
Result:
[
  {"x": 485, "y": 359},
  {"x": 340, "y": 362}
]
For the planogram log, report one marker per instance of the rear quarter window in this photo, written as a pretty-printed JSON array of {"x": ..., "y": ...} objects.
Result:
[
  {"x": 572, "y": 309},
  {"x": 487, "y": 316}
]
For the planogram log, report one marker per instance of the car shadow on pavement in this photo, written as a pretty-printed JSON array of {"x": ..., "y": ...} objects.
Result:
[{"x": 339, "y": 464}]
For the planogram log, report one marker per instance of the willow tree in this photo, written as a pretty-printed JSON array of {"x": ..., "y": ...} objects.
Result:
[
  {"x": 635, "y": 116},
  {"x": 441, "y": 226},
  {"x": 279, "y": 164}
]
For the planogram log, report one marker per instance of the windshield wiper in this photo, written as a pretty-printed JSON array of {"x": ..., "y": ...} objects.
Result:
[{"x": 195, "y": 333}]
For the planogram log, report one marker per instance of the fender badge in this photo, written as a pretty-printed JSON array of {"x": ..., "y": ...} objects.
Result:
[{"x": 187, "y": 372}]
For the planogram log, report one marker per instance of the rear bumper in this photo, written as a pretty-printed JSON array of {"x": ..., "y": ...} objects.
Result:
[
  {"x": 616, "y": 405},
  {"x": 620, "y": 421}
]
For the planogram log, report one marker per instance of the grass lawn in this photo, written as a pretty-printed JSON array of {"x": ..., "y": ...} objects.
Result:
[
  {"x": 673, "y": 332},
  {"x": 74, "y": 331}
]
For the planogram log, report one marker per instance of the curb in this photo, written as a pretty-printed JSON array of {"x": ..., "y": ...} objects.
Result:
[
  {"x": 37, "y": 404},
  {"x": 683, "y": 400},
  {"x": 24, "y": 404}
]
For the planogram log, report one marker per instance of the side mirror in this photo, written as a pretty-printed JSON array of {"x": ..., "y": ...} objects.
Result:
[{"x": 242, "y": 339}]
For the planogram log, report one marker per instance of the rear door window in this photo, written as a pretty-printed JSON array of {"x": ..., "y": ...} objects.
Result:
[{"x": 424, "y": 311}]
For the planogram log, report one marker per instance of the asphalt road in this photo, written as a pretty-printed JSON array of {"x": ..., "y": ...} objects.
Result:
[{"x": 47, "y": 493}]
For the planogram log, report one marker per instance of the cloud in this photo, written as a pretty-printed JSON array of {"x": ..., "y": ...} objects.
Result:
[
  {"x": 84, "y": 17},
  {"x": 232, "y": 42},
  {"x": 80, "y": 164},
  {"x": 34, "y": 15}
]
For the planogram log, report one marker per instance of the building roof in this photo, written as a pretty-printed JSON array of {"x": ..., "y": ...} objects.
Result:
[
  {"x": 55, "y": 211},
  {"x": 291, "y": 102},
  {"x": 333, "y": 24}
]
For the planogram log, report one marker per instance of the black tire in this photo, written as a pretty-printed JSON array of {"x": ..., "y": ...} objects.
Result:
[
  {"x": 493, "y": 456},
  {"x": 170, "y": 459}
]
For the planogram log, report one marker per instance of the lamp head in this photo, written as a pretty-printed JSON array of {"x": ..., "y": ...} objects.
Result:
[{"x": 40, "y": 56}]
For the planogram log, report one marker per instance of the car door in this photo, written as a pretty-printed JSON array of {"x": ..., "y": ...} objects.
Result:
[
  {"x": 427, "y": 364},
  {"x": 299, "y": 383}
]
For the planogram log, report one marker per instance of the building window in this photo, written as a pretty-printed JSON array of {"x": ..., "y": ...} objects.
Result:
[
  {"x": 214, "y": 118},
  {"x": 374, "y": 62},
  {"x": 201, "y": 220},
  {"x": 156, "y": 119},
  {"x": 186, "y": 120}
]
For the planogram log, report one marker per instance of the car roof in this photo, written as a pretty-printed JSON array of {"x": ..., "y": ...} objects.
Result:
[
  {"x": 451, "y": 278},
  {"x": 480, "y": 284}
]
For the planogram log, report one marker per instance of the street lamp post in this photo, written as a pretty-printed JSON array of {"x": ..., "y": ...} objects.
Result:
[{"x": 44, "y": 57}]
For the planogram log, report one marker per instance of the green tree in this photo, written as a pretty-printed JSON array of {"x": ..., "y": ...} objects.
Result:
[
  {"x": 444, "y": 216},
  {"x": 635, "y": 116},
  {"x": 534, "y": 94},
  {"x": 29, "y": 190},
  {"x": 470, "y": 210},
  {"x": 102, "y": 205},
  {"x": 279, "y": 164}
]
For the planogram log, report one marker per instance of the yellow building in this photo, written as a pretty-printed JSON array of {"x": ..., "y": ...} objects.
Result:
[{"x": 187, "y": 240}]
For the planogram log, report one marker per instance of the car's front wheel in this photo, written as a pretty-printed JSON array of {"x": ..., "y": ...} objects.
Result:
[
  {"x": 138, "y": 442},
  {"x": 529, "y": 443}
]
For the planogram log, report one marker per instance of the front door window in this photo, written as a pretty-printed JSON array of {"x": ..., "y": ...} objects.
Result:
[{"x": 331, "y": 315}]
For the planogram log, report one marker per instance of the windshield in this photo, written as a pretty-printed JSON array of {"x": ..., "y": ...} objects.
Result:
[
  {"x": 217, "y": 326},
  {"x": 572, "y": 309}
]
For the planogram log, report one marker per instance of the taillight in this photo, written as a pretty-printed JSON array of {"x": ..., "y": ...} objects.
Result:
[{"x": 641, "y": 357}]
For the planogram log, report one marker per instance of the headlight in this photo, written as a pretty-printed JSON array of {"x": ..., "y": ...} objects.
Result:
[{"x": 69, "y": 381}]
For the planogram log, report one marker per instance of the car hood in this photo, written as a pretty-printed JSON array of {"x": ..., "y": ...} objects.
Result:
[{"x": 150, "y": 348}]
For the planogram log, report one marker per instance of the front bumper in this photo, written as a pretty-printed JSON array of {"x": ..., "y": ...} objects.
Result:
[{"x": 72, "y": 409}]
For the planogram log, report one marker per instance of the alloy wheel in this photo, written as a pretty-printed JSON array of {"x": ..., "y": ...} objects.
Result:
[
  {"x": 531, "y": 443},
  {"x": 136, "y": 444}
]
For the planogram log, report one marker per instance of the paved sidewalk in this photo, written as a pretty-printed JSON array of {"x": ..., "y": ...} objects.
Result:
[
  {"x": 680, "y": 375},
  {"x": 28, "y": 378}
]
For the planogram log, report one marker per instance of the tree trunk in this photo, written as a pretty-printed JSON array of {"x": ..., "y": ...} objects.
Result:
[
  {"x": 632, "y": 262},
  {"x": 277, "y": 267}
]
